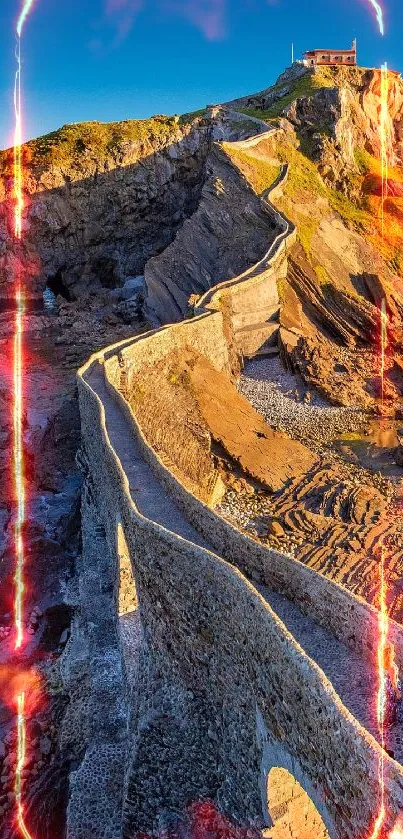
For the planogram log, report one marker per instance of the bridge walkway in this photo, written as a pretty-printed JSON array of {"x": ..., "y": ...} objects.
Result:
[{"x": 353, "y": 678}]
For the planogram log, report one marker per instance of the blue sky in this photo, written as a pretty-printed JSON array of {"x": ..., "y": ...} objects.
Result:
[{"x": 120, "y": 59}]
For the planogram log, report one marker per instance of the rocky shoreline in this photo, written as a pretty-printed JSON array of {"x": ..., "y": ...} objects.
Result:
[
  {"x": 55, "y": 345},
  {"x": 335, "y": 518},
  {"x": 288, "y": 404}
]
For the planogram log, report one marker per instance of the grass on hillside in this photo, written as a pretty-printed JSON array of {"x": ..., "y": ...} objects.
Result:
[
  {"x": 306, "y": 85},
  {"x": 91, "y": 140},
  {"x": 307, "y": 199},
  {"x": 260, "y": 172}
]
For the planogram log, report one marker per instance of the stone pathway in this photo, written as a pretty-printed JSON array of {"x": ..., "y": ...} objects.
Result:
[
  {"x": 147, "y": 493},
  {"x": 353, "y": 678}
]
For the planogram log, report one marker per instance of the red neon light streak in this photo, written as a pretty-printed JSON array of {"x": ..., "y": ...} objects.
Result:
[
  {"x": 18, "y": 447},
  {"x": 18, "y": 464},
  {"x": 18, "y": 441}
]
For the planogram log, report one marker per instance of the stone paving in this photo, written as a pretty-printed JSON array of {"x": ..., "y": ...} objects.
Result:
[{"x": 353, "y": 678}]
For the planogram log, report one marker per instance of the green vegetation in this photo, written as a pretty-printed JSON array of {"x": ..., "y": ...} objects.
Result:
[
  {"x": 322, "y": 275},
  {"x": 185, "y": 119},
  {"x": 281, "y": 288},
  {"x": 396, "y": 262},
  {"x": 306, "y": 85},
  {"x": 365, "y": 161},
  {"x": 306, "y": 198},
  {"x": 71, "y": 144},
  {"x": 352, "y": 214},
  {"x": 261, "y": 172}
]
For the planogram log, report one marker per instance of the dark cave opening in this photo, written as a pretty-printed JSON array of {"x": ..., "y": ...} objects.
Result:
[{"x": 58, "y": 287}]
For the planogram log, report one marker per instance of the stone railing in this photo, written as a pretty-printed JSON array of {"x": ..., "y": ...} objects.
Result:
[
  {"x": 212, "y": 637},
  {"x": 283, "y": 240}
]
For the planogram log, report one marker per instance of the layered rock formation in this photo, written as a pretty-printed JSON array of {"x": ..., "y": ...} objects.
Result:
[
  {"x": 227, "y": 233},
  {"x": 160, "y": 198},
  {"x": 102, "y": 199}
]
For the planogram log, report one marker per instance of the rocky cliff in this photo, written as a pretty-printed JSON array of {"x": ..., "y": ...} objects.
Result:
[
  {"x": 102, "y": 199},
  {"x": 346, "y": 261},
  {"x": 173, "y": 199}
]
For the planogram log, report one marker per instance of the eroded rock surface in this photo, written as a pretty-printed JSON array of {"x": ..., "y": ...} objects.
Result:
[
  {"x": 190, "y": 412},
  {"x": 225, "y": 236}
]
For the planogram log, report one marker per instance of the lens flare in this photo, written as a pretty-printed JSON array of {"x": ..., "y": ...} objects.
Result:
[
  {"x": 379, "y": 15},
  {"x": 383, "y": 626},
  {"x": 384, "y": 346},
  {"x": 383, "y": 615},
  {"x": 23, "y": 16}
]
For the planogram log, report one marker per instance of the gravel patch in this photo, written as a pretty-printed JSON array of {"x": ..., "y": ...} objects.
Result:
[{"x": 287, "y": 404}]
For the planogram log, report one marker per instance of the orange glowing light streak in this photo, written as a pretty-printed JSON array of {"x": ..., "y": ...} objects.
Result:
[
  {"x": 21, "y": 757},
  {"x": 379, "y": 15},
  {"x": 383, "y": 616},
  {"x": 383, "y": 133}
]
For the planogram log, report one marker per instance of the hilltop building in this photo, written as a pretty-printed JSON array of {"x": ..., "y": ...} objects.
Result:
[{"x": 347, "y": 58}]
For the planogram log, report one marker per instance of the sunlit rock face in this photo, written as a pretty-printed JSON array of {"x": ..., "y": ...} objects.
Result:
[
  {"x": 95, "y": 213},
  {"x": 100, "y": 200}
]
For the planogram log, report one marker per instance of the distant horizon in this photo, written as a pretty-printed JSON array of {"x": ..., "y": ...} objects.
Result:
[{"x": 114, "y": 61}]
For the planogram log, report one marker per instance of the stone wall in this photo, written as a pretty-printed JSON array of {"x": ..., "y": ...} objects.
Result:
[
  {"x": 205, "y": 333},
  {"x": 225, "y": 650},
  {"x": 328, "y": 603},
  {"x": 224, "y": 693}
]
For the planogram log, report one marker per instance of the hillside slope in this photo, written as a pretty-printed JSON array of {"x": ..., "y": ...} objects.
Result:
[
  {"x": 101, "y": 199},
  {"x": 343, "y": 266}
]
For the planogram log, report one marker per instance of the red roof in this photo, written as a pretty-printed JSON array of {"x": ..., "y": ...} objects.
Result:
[{"x": 338, "y": 52}]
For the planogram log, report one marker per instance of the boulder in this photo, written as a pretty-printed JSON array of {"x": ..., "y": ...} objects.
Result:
[{"x": 133, "y": 286}]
